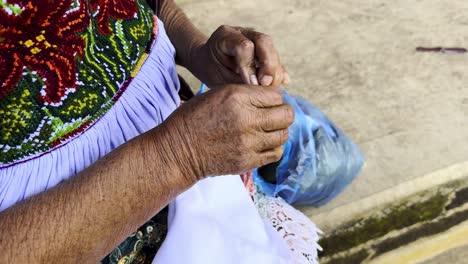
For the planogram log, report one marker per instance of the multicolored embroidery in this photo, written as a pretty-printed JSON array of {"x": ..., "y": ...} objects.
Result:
[
  {"x": 141, "y": 247},
  {"x": 42, "y": 38},
  {"x": 63, "y": 64},
  {"x": 117, "y": 9}
]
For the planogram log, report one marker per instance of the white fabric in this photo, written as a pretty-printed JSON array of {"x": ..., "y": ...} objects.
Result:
[{"x": 216, "y": 222}]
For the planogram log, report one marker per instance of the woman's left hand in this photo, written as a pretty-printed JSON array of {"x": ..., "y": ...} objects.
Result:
[{"x": 235, "y": 55}]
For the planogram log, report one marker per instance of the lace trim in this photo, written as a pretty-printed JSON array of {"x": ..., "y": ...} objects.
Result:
[{"x": 299, "y": 232}]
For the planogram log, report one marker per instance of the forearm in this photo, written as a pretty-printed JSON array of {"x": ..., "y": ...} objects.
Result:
[
  {"x": 185, "y": 37},
  {"x": 83, "y": 219}
]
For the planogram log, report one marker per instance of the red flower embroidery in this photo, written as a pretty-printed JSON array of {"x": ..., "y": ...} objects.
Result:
[
  {"x": 43, "y": 39},
  {"x": 117, "y": 9}
]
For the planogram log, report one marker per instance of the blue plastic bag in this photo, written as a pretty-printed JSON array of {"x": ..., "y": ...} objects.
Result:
[{"x": 319, "y": 160}]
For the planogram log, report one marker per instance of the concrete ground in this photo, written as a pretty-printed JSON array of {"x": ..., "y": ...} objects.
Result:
[
  {"x": 356, "y": 60},
  {"x": 456, "y": 255}
]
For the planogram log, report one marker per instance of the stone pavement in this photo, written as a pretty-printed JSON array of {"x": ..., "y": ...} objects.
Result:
[{"x": 356, "y": 60}]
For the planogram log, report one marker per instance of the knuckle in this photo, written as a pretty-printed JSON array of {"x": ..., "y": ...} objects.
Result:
[
  {"x": 252, "y": 123},
  {"x": 223, "y": 28},
  {"x": 266, "y": 144},
  {"x": 254, "y": 100},
  {"x": 284, "y": 136},
  {"x": 273, "y": 156},
  {"x": 262, "y": 143},
  {"x": 278, "y": 154},
  {"x": 265, "y": 39},
  {"x": 278, "y": 138},
  {"x": 266, "y": 160},
  {"x": 268, "y": 63},
  {"x": 265, "y": 122},
  {"x": 289, "y": 113},
  {"x": 243, "y": 143},
  {"x": 276, "y": 97},
  {"x": 248, "y": 117},
  {"x": 232, "y": 106},
  {"x": 231, "y": 94},
  {"x": 238, "y": 120},
  {"x": 280, "y": 73},
  {"x": 246, "y": 45}
]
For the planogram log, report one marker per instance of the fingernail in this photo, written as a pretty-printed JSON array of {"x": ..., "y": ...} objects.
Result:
[
  {"x": 267, "y": 80},
  {"x": 286, "y": 78},
  {"x": 253, "y": 79}
]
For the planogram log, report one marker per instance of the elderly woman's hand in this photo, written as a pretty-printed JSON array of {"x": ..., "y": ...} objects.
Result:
[
  {"x": 228, "y": 130},
  {"x": 238, "y": 55}
]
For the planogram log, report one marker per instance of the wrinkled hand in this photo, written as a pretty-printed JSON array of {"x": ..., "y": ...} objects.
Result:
[
  {"x": 238, "y": 55},
  {"x": 229, "y": 130}
]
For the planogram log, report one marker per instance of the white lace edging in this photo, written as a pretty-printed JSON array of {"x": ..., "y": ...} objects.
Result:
[{"x": 299, "y": 232}]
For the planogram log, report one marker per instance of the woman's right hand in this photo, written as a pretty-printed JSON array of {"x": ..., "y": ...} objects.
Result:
[{"x": 228, "y": 130}]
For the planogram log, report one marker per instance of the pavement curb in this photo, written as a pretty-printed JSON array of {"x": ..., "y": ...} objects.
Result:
[
  {"x": 389, "y": 230},
  {"x": 338, "y": 216}
]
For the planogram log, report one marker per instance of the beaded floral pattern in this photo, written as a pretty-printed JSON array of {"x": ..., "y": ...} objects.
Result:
[
  {"x": 117, "y": 9},
  {"x": 63, "y": 64}
]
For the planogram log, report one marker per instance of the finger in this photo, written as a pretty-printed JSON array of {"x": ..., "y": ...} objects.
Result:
[
  {"x": 279, "y": 77},
  {"x": 272, "y": 140},
  {"x": 286, "y": 77},
  {"x": 216, "y": 45},
  {"x": 270, "y": 156},
  {"x": 248, "y": 76},
  {"x": 267, "y": 58},
  {"x": 276, "y": 118},
  {"x": 242, "y": 49},
  {"x": 263, "y": 97},
  {"x": 233, "y": 76}
]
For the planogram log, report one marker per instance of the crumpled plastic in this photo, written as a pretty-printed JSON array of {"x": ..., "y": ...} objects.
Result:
[{"x": 318, "y": 162}]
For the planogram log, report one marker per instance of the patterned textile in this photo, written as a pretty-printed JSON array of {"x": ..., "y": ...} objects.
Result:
[
  {"x": 300, "y": 234},
  {"x": 141, "y": 246},
  {"x": 63, "y": 64}
]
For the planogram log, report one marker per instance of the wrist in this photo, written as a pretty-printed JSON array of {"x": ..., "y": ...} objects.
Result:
[
  {"x": 169, "y": 153},
  {"x": 160, "y": 169},
  {"x": 196, "y": 59},
  {"x": 186, "y": 38}
]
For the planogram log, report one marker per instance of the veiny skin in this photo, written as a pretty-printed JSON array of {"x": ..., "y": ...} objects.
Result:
[
  {"x": 229, "y": 130},
  {"x": 249, "y": 133}
]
